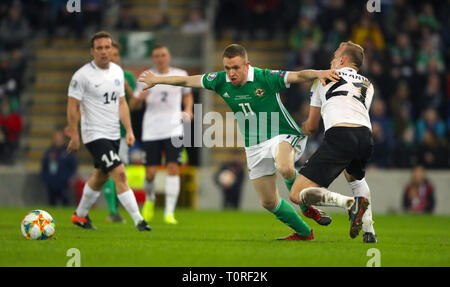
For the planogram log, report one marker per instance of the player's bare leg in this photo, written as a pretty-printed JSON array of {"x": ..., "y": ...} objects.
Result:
[
  {"x": 266, "y": 188},
  {"x": 360, "y": 188},
  {"x": 284, "y": 161},
  {"x": 149, "y": 186},
  {"x": 127, "y": 198},
  {"x": 91, "y": 192},
  {"x": 172, "y": 189}
]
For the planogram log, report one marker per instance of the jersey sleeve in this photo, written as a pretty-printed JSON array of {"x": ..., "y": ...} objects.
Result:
[
  {"x": 210, "y": 81},
  {"x": 76, "y": 87},
  {"x": 315, "y": 94},
  {"x": 276, "y": 79}
]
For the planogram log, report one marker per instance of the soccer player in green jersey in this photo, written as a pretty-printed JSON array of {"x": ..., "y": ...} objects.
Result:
[
  {"x": 273, "y": 141},
  {"x": 109, "y": 188}
]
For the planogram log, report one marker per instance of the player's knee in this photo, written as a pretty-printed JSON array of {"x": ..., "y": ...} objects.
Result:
[
  {"x": 286, "y": 171},
  {"x": 268, "y": 204},
  {"x": 120, "y": 176}
]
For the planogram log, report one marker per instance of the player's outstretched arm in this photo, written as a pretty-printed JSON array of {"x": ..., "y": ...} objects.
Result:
[
  {"x": 73, "y": 117},
  {"x": 309, "y": 75},
  {"x": 186, "y": 81}
]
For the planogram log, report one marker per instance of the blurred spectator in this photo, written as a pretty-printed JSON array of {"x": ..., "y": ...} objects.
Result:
[
  {"x": 401, "y": 108},
  {"x": 404, "y": 153},
  {"x": 430, "y": 121},
  {"x": 14, "y": 30},
  {"x": 432, "y": 97},
  {"x": 162, "y": 22},
  {"x": 127, "y": 21},
  {"x": 381, "y": 130},
  {"x": 92, "y": 14},
  {"x": 402, "y": 55},
  {"x": 194, "y": 23},
  {"x": 11, "y": 127},
  {"x": 57, "y": 169},
  {"x": 367, "y": 29},
  {"x": 336, "y": 35},
  {"x": 8, "y": 83},
  {"x": 262, "y": 17},
  {"x": 230, "y": 178},
  {"x": 418, "y": 196},
  {"x": 304, "y": 40},
  {"x": 432, "y": 153},
  {"x": 426, "y": 54},
  {"x": 427, "y": 17},
  {"x": 59, "y": 17},
  {"x": 333, "y": 11},
  {"x": 226, "y": 27}
]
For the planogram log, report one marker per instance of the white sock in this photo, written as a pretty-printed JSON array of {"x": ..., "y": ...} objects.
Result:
[
  {"x": 360, "y": 188},
  {"x": 323, "y": 197},
  {"x": 172, "y": 192},
  {"x": 88, "y": 199},
  {"x": 149, "y": 187},
  {"x": 128, "y": 201}
]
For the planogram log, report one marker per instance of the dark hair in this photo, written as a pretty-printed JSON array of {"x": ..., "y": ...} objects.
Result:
[
  {"x": 116, "y": 45},
  {"x": 354, "y": 51},
  {"x": 99, "y": 35},
  {"x": 234, "y": 50},
  {"x": 160, "y": 46}
]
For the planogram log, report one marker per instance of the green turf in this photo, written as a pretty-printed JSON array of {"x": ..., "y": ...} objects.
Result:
[{"x": 215, "y": 238}]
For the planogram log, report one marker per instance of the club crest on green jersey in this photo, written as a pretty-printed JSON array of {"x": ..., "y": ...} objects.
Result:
[
  {"x": 211, "y": 76},
  {"x": 259, "y": 92}
]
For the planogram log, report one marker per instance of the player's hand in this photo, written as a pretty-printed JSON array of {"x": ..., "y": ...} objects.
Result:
[
  {"x": 187, "y": 116},
  {"x": 331, "y": 75},
  {"x": 74, "y": 144},
  {"x": 130, "y": 139},
  {"x": 147, "y": 77},
  {"x": 143, "y": 95}
]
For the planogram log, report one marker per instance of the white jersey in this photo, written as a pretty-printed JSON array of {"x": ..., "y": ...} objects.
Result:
[
  {"x": 345, "y": 101},
  {"x": 98, "y": 91},
  {"x": 162, "y": 117}
]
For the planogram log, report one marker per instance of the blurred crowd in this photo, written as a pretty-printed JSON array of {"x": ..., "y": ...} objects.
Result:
[
  {"x": 14, "y": 32},
  {"x": 407, "y": 49}
]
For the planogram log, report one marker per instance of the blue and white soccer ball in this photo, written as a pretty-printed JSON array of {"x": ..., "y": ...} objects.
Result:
[{"x": 38, "y": 225}]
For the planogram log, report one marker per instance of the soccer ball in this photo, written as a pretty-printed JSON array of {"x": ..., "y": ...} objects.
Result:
[{"x": 38, "y": 224}]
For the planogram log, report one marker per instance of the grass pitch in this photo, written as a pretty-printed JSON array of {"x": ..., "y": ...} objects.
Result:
[{"x": 224, "y": 238}]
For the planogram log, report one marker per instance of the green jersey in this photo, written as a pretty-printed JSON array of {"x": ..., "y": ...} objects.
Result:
[
  {"x": 256, "y": 105},
  {"x": 129, "y": 77}
]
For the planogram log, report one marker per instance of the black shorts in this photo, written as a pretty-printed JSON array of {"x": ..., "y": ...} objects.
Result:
[
  {"x": 153, "y": 152},
  {"x": 105, "y": 153},
  {"x": 348, "y": 148}
]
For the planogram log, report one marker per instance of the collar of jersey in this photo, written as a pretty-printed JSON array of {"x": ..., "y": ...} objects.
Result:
[
  {"x": 348, "y": 69},
  {"x": 250, "y": 75},
  {"x": 98, "y": 68}
]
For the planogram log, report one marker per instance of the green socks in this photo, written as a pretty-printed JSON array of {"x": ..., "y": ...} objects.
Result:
[
  {"x": 289, "y": 183},
  {"x": 287, "y": 214},
  {"x": 109, "y": 189}
]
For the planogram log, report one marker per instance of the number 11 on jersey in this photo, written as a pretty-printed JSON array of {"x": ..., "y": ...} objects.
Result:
[{"x": 244, "y": 107}]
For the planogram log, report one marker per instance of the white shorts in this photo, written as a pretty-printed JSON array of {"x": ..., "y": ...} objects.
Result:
[{"x": 261, "y": 157}]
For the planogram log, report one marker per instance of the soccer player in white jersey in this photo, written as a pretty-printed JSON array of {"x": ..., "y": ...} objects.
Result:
[
  {"x": 348, "y": 143},
  {"x": 161, "y": 123},
  {"x": 97, "y": 99}
]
